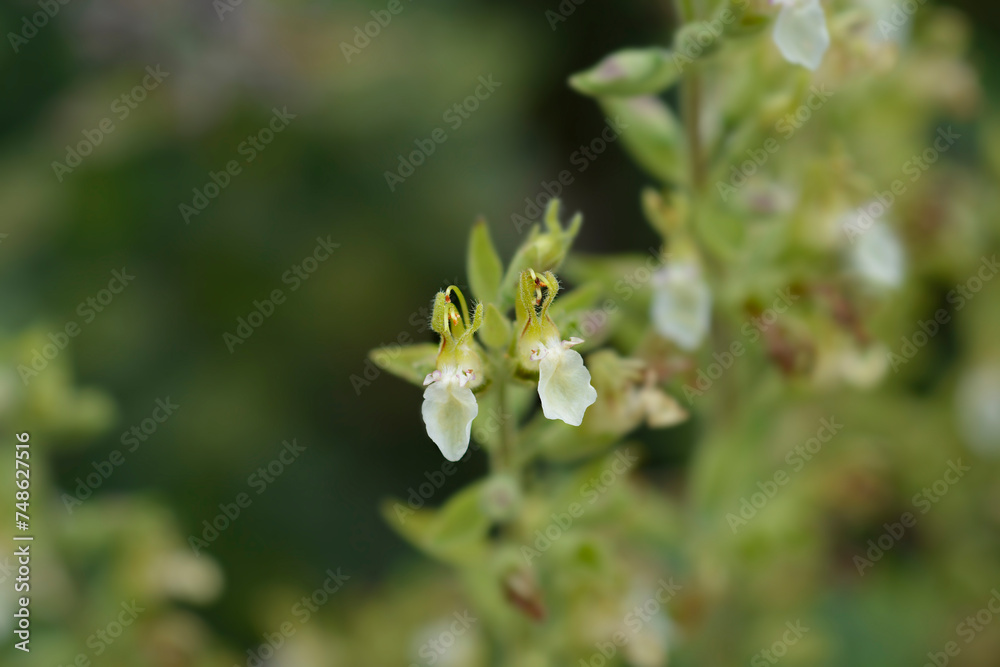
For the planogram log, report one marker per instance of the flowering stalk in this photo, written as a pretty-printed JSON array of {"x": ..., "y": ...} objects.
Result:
[{"x": 759, "y": 283}]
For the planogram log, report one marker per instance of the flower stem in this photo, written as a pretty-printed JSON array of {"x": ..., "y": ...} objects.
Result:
[
  {"x": 691, "y": 106},
  {"x": 503, "y": 458}
]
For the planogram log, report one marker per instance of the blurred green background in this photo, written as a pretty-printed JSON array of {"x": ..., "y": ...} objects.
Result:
[{"x": 302, "y": 374}]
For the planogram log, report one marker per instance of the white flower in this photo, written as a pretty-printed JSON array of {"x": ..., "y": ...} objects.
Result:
[
  {"x": 563, "y": 381},
  {"x": 889, "y": 23},
  {"x": 878, "y": 256},
  {"x": 800, "y": 32},
  {"x": 682, "y": 305},
  {"x": 449, "y": 404},
  {"x": 448, "y": 410},
  {"x": 977, "y": 404}
]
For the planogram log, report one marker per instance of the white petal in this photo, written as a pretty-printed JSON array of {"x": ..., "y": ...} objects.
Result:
[
  {"x": 564, "y": 386},
  {"x": 878, "y": 256},
  {"x": 800, "y": 33},
  {"x": 448, "y": 411},
  {"x": 682, "y": 307}
]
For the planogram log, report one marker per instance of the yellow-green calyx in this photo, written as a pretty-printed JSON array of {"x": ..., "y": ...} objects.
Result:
[
  {"x": 537, "y": 330},
  {"x": 457, "y": 353},
  {"x": 563, "y": 381},
  {"x": 449, "y": 405}
]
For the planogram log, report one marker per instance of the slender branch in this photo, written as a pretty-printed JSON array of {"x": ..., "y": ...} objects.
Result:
[
  {"x": 689, "y": 11},
  {"x": 691, "y": 95}
]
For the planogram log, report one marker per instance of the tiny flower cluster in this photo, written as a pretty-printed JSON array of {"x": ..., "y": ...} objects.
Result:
[{"x": 450, "y": 404}]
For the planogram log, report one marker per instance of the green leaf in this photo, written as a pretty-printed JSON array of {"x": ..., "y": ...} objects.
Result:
[
  {"x": 495, "y": 331},
  {"x": 628, "y": 73},
  {"x": 455, "y": 533},
  {"x": 484, "y": 266},
  {"x": 651, "y": 134},
  {"x": 410, "y": 362}
]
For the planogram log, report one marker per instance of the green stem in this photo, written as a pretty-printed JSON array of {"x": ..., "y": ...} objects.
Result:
[
  {"x": 503, "y": 458},
  {"x": 689, "y": 11},
  {"x": 691, "y": 94}
]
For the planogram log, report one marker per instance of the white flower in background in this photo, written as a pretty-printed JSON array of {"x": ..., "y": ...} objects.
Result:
[
  {"x": 630, "y": 393},
  {"x": 863, "y": 367},
  {"x": 890, "y": 20},
  {"x": 449, "y": 404},
  {"x": 563, "y": 381},
  {"x": 977, "y": 404},
  {"x": 800, "y": 32},
  {"x": 877, "y": 256},
  {"x": 682, "y": 304}
]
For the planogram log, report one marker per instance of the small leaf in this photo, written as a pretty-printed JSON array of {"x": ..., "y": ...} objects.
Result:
[
  {"x": 484, "y": 266},
  {"x": 455, "y": 533},
  {"x": 629, "y": 73},
  {"x": 651, "y": 134},
  {"x": 410, "y": 362},
  {"x": 495, "y": 331}
]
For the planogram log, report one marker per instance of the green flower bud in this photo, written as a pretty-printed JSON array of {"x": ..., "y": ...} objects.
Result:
[
  {"x": 543, "y": 250},
  {"x": 629, "y": 73}
]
